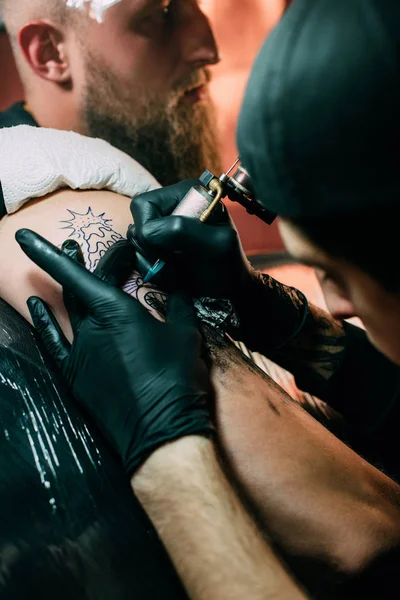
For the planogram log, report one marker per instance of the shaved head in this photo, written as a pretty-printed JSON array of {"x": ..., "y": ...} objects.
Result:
[{"x": 18, "y": 12}]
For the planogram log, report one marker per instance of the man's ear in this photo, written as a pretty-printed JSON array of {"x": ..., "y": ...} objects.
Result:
[{"x": 44, "y": 49}]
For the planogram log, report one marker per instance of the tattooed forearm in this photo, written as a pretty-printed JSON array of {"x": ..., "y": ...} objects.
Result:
[
  {"x": 277, "y": 321},
  {"x": 316, "y": 353}
]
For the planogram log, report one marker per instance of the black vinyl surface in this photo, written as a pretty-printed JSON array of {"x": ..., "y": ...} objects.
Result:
[{"x": 70, "y": 525}]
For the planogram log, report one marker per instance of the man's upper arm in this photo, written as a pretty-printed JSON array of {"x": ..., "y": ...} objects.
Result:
[{"x": 96, "y": 219}]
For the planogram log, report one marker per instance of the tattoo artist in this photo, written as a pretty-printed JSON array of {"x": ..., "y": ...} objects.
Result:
[
  {"x": 318, "y": 141},
  {"x": 319, "y": 174}
]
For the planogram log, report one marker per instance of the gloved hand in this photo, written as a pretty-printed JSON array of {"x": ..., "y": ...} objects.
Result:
[
  {"x": 35, "y": 161},
  {"x": 212, "y": 262},
  {"x": 209, "y": 256},
  {"x": 143, "y": 381}
]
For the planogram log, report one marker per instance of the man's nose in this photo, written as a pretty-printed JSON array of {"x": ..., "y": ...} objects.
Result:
[{"x": 198, "y": 45}]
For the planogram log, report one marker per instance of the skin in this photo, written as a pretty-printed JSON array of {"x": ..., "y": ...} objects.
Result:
[
  {"x": 150, "y": 45},
  {"x": 182, "y": 482},
  {"x": 350, "y": 292}
]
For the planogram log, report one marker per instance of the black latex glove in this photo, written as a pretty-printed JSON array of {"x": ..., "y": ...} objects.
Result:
[
  {"x": 208, "y": 256},
  {"x": 143, "y": 381},
  {"x": 211, "y": 261}
]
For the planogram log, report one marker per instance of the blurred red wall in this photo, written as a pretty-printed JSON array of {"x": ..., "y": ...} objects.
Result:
[
  {"x": 10, "y": 87},
  {"x": 240, "y": 27}
]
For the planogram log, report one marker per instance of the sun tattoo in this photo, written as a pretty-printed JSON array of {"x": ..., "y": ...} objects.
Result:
[{"x": 94, "y": 234}]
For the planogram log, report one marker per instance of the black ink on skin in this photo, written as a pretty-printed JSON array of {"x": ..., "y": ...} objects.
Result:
[{"x": 93, "y": 232}]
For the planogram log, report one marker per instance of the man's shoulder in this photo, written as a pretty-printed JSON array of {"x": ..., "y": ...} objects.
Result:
[{"x": 16, "y": 115}]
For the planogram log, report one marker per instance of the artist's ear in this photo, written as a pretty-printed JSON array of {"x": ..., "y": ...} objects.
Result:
[{"x": 44, "y": 48}]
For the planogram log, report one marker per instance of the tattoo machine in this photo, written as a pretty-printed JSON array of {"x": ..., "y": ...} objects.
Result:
[{"x": 201, "y": 201}]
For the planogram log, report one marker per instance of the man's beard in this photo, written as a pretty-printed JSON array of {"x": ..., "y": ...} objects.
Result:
[{"x": 173, "y": 142}]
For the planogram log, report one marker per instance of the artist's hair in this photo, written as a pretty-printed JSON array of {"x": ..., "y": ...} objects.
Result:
[{"x": 368, "y": 239}]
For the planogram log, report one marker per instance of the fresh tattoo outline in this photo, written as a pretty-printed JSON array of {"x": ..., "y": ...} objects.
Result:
[{"x": 93, "y": 232}]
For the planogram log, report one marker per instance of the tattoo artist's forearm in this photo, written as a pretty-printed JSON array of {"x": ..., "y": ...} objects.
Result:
[
  {"x": 217, "y": 550},
  {"x": 316, "y": 353}
]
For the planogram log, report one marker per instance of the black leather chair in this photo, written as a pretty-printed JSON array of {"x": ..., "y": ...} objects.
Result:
[{"x": 70, "y": 525}]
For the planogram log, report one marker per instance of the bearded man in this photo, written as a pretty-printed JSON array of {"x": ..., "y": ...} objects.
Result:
[{"x": 138, "y": 80}]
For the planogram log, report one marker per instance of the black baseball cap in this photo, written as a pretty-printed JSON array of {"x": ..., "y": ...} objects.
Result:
[{"x": 319, "y": 130}]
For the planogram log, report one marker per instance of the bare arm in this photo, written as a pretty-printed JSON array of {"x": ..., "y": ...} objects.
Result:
[
  {"x": 95, "y": 219},
  {"x": 182, "y": 485},
  {"x": 315, "y": 496}
]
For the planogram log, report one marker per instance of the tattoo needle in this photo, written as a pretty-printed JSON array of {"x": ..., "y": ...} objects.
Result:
[{"x": 158, "y": 265}]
